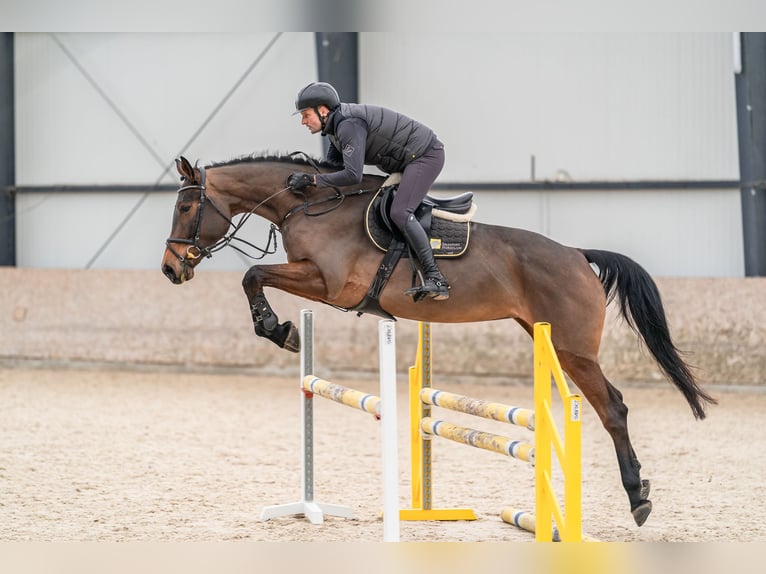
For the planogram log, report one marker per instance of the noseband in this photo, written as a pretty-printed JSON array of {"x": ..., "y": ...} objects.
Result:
[{"x": 194, "y": 250}]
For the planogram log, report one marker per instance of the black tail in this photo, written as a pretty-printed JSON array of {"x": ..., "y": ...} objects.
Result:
[{"x": 641, "y": 306}]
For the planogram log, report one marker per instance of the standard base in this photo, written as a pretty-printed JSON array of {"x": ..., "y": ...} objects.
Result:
[{"x": 313, "y": 511}]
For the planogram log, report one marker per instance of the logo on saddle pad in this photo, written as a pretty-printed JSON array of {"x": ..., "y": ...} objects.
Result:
[{"x": 446, "y": 221}]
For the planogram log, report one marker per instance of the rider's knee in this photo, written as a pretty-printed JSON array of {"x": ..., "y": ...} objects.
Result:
[{"x": 399, "y": 217}]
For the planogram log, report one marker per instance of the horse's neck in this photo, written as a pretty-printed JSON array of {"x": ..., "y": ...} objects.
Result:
[
  {"x": 262, "y": 191},
  {"x": 261, "y": 188}
]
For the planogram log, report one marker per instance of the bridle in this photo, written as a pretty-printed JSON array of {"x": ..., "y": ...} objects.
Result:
[{"x": 194, "y": 250}]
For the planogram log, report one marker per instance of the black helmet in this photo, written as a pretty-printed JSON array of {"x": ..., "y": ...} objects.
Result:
[{"x": 316, "y": 94}]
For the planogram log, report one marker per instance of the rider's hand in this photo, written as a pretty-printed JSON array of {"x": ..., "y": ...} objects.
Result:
[{"x": 299, "y": 180}]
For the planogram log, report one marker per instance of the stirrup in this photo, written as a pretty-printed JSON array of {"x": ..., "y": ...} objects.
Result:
[
  {"x": 437, "y": 288},
  {"x": 433, "y": 287}
]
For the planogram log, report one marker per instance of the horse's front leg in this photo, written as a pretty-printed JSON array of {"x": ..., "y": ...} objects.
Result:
[{"x": 300, "y": 278}]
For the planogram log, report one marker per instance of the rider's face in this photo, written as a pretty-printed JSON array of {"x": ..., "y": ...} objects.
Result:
[{"x": 311, "y": 120}]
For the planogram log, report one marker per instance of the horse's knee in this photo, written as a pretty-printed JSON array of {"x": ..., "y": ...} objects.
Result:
[{"x": 252, "y": 280}]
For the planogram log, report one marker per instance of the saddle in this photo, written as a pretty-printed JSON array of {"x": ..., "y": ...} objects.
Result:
[{"x": 446, "y": 221}]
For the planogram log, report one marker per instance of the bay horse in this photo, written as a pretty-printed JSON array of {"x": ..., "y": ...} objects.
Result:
[{"x": 505, "y": 273}]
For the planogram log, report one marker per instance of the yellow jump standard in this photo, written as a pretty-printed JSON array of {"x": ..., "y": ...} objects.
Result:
[{"x": 554, "y": 523}]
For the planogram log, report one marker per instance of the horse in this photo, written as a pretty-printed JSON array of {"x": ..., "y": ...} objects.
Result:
[{"x": 505, "y": 273}]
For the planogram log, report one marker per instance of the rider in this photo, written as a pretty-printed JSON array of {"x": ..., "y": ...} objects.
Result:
[{"x": 363, "y": 134}]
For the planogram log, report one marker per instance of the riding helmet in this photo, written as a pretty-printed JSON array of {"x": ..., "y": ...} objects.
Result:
[{"x": 316, "y": 94}]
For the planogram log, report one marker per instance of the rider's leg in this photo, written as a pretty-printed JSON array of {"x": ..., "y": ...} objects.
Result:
[
  {"x": 417, "y": 178},
  {"x": 434, "y": 284}
]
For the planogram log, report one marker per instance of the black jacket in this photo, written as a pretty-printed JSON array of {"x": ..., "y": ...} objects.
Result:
[{"x": 363, "y": 134}]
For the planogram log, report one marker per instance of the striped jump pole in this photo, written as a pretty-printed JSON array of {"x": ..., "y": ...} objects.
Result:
[
  {"x": 343, "y": 395},
  {"x": 479, "y": 439},
  {"x": 422, "y": 427},
  {"x": 526, "y": 521},
  {"x": 479, "y": 408},
  {"x": 383, "y": 407}
]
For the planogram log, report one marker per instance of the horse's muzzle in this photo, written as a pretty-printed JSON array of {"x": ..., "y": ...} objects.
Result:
[{"x": 186, "y": 273}]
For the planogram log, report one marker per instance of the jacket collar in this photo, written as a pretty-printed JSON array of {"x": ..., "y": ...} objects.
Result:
[{"x": 332, "y": 119}]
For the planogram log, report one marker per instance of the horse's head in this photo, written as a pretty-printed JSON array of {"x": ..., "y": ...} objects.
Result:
[{"x": 198, "y": 224}]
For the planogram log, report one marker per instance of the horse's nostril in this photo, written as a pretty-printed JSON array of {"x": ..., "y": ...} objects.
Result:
[{"x": 168, "y": 271}]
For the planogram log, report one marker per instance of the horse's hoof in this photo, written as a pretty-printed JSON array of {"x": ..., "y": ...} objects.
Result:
[
  {"x": 642, "y": 512},
  {"x": 645, "y": 488},
  {"x": 292, "y": 339}
]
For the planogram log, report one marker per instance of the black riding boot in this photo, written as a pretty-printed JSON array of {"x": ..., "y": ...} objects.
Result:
[{"x": 434, "y": 284}]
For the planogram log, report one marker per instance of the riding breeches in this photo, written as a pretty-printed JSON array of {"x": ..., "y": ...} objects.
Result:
[{"x": 417, "y": 178}]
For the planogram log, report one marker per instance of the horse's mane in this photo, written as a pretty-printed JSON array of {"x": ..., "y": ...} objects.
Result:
[{"x": 258, "y": 157}]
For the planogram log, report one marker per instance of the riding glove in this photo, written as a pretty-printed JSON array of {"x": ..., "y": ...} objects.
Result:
[{"x": 300, "y": 180}]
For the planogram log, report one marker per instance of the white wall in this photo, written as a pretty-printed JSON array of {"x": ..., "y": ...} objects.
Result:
[
  {"x": 602, "y": 106},
  {"x": 75, "y": 226},
  {"x": 166, "y": 85},
  {"x": 620, "y": 107},
  {"x": 673, "y": 233}
]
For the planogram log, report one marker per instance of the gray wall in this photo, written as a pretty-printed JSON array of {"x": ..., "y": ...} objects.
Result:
[{"x": 116, "y": 109}]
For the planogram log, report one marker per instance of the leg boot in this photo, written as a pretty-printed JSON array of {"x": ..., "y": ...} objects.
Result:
[{"x": 434, "y": 284}]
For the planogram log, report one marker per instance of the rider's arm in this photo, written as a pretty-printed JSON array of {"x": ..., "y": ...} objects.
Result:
[{"x": 352, "y": 137}]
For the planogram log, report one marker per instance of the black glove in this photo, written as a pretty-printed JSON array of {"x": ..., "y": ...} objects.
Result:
[{"x": 300, "y": 180}]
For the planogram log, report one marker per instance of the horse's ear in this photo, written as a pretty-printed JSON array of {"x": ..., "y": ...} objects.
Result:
[{"x": 185, "y": 169}]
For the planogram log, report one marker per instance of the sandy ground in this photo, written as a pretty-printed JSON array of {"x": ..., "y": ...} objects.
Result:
[{"x": 96, "y": 455}]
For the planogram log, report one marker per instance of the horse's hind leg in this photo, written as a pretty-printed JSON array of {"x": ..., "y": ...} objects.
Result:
[{"x": 606, "y": 400}]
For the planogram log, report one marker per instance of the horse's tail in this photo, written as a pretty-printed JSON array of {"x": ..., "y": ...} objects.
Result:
[{"x": 641, "y": 307}]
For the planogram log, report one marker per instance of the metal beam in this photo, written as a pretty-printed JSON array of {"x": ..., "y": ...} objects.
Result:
[
  {"x": 750, "y": 83},
  {"x": 7, "y": 154},
  {"x": 540, "y": 185},
  {"x": 337, "y": 64}
]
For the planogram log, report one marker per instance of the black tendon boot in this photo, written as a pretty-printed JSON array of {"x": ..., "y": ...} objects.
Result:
[{"x": 434, "y": 284}]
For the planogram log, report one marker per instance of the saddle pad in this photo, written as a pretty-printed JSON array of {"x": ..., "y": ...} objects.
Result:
[{"x": 448, "y": 238}]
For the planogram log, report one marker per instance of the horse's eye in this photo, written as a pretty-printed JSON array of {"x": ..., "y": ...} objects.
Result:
[{"x": 184, "y": 208}]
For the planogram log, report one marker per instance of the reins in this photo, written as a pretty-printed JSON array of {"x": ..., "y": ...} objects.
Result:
[
  {"x": 195, "y": 251},
  {"x": 338, "y": 197}
]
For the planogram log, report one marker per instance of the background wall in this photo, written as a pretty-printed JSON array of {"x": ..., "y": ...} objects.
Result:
[
  {"x": 111, "y": 111},
  {"x": 138, "y": 320}
]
